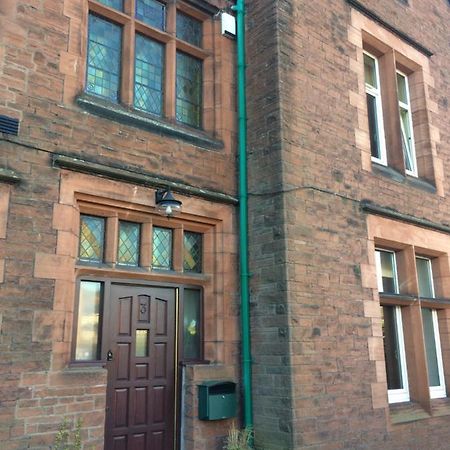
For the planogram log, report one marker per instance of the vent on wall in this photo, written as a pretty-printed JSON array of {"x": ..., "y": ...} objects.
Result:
[{"x": 9, "y": 125}]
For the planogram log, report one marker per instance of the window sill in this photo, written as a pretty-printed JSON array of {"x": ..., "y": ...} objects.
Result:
[
  {"x": 200, "y": 362},
  {"x": 133, "y": 271},
  {"x": 85, "y": 367},
  {"x": 138, "y": 119},
  {"x": 406, "y": 412},
  {"x": 440, "y": 407},
  {"x": 407, "y": 180}
]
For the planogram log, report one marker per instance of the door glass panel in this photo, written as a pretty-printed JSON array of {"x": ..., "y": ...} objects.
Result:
[
  {"x": 391, "y": 348},
  {"x": 162, "y": 248},
  {"x": 430, "y": 345},
  {"x": 424, "y": 276},
  {"x": 192, "y": 258},
  {"x": 87, "y": 346},
  {"x": 141, "y": 343},
  {"x": 128, "y": 248},
  {"x": 92, "y": 236},
  {"x": 191, "y": 324}
]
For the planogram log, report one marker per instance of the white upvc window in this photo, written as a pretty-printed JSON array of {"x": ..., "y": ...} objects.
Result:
[
  {"x": 406, "y": 124},
  {"x": 425, "y": 277},
  {"x": 395, "y": 355},
  {"x": 374, "y": 109},
  {"x": 430, "y": 323},
  {"x": 386, "y": 266},
  {"x": 393, "y": 339},
  {"x": 436, "y": 378}
]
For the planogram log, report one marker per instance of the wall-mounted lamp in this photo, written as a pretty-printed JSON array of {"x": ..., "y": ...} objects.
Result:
[{"x": 166, "y": 203}]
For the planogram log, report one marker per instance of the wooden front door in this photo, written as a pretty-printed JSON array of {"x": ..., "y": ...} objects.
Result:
[{"x": 141, "y": 368}]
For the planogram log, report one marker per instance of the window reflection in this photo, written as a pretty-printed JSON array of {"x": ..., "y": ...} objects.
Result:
[
  {"x": 191, "y": 324},
  {"x": 87, "y": 347}
]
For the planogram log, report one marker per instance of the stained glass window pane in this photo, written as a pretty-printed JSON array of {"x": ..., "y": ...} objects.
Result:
[
  {"x": 117, "y": 4},
  {"x": 148, "y": 75},
  {"x": 189, "y": 90},
  {"x": 192, "y": 260},
  {"x": 92, "y": 237},
  {"x": 189, "y": 29},
  {"x": 128, "y": 248},
  {"x": 191, "y": 324},
  {"x": 103, "y": 62},
  {"x": 152, "y": 13},
  {"x": 162, "y": 248},
  {"x": 87, "y": 346}
]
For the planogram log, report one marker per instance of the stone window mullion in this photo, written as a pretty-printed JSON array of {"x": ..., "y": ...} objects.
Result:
[
  {"x": 170, "y": 63},
  {"x": 128, "y": 51},
  {"x": 111, "y": 239},
  {"x": 413, "y": 329},
  {"x": 146, "y": 245},
  {"x": 388, "y": 76}
]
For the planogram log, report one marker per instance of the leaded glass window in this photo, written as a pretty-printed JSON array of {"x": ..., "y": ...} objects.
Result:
[
  {"x": 162, "y": 248},
  {"x": 116, "y": 4},
  {"x": 104, "y": 55},
  {"x": 129, "y": 239},
  {"x": 192, "y": 258},
  {"x": 148, "y": 75},
  {"x": 92, "y": 237},
  {"x": 189, "y": 89},
  {"x": 152, "y": 13},
  {"x": 189, "y": 29}
]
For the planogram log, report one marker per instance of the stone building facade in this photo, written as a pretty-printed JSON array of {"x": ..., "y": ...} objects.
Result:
[
  {"x": 349, "y": 214},
  {"x": 113, "y": 314},
  {"x": 110, "y": 312}
]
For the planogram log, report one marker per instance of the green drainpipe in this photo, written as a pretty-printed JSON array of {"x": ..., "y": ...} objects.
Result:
[{"x": 243, "y": 216}]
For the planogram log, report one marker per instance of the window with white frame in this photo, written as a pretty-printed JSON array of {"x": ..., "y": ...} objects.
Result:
[
  {"x": 394, "y": 304},
  {"x": 387, "y": 94},
  {"x": 431, "y": 330},
  {"x": 393, "y": 338},
  {"x": 374, "y": 109},
  {"x": 404, "y": 106}
]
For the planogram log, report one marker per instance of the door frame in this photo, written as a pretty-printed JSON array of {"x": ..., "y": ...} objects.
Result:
[{"x": 105, "y": 321}]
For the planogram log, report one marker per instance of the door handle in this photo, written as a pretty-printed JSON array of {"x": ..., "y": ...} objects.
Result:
[{"x": 109, "y": 356}]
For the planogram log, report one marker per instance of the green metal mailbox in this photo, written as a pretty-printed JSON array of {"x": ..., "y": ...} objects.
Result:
[{"x": 216, "y": 400}]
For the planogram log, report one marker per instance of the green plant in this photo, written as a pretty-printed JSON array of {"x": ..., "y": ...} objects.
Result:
[
  {"x": 239, "y": 439},
  {"x": 67, "y": 439}
]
